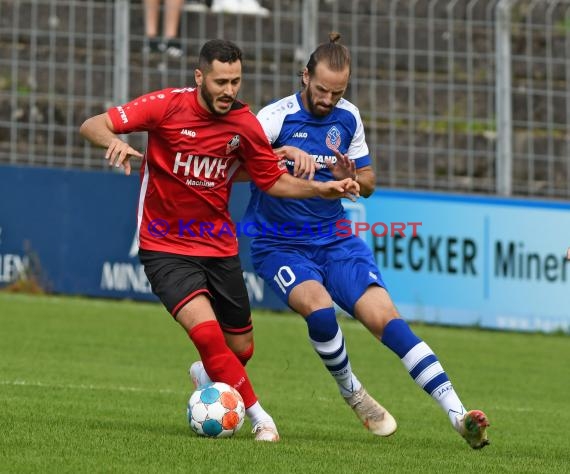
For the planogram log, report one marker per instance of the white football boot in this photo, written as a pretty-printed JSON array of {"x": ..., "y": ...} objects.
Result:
[
  {"x": 198, "y": 375},
  {"x": 373, "y": 415}
]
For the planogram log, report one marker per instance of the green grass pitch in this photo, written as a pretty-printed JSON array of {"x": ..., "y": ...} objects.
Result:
[{"x": 101, "y": 386}]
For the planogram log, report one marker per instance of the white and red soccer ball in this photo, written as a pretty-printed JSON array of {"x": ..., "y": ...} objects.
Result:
[{"x": 215, "y": 410}]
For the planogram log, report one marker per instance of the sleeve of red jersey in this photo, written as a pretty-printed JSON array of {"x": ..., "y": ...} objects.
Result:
[
  {"x": 140, "y": 114},
  {"x": 258, "y": 157}
]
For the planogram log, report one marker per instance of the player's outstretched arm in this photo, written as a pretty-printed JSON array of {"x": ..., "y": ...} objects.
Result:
[
  {"x": 304, "y": 166},
  {"x": 366, "y": 179},
  {"x": 288, "y": 186},
  {"x": 242, "y": 176},
  {"x": 99, "y": 131}
]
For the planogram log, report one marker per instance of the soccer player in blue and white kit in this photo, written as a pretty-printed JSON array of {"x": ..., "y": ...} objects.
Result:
[{"x": 312, "y": 266}]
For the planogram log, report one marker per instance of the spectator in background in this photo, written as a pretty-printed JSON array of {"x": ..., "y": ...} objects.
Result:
[
  {"x": 169, "y": 42},
  {"x": 238, "y": 7},
  {"x": 197, "y": 6},
  {"x": 244, "y": 7}
]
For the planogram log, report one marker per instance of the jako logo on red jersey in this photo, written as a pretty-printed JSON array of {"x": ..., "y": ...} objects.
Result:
[{"x": 122, "y": 114}]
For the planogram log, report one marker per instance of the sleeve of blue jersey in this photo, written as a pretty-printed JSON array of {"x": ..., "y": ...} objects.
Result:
[{"x": 362, "y": 161}]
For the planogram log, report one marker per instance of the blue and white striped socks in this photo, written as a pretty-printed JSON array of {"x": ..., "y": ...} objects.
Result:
[
  {"x": 423, "y": 366},
  {"x": 327, "y": 340}
]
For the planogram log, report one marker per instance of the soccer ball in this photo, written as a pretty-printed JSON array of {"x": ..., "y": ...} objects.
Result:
[{"x": 215, "y": 410}]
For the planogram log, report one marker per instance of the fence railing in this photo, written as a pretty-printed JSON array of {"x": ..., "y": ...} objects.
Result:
[{"x": 456, "y": 95}]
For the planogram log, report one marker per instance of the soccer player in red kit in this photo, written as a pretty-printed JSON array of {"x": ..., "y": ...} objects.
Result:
[{"x": 197, "y": 140}]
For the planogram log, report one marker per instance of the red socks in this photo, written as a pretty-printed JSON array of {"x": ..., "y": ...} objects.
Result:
[{"x": 220, "y": 362}]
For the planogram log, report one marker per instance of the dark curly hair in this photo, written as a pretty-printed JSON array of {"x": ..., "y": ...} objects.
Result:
[{"x": 218, "y": 49}]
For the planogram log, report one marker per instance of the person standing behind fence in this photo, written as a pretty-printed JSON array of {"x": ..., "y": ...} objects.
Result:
[
  {"x": 243, "y": 7},
  {"x": 168, "y": 41},
  {"x": 197, "y": 139}
]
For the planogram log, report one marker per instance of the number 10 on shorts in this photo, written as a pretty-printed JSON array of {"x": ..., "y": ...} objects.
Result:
[{"x": 284, "y": 278}]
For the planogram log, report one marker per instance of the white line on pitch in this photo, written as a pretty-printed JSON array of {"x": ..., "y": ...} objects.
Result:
[{"x": 118, "y": 388}]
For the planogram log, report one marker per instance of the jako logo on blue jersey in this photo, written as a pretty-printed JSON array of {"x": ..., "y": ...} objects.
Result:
[{"x": 300, "y": 135}]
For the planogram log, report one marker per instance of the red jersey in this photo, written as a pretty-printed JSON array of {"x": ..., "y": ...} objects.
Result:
[{"x": 191, "y": 159}]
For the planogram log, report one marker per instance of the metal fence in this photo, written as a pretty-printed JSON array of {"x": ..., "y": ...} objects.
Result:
[{"x": 456, "y": 95}]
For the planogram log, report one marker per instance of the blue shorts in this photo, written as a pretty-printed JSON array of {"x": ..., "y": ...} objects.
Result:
[{"x": 346, "y": 267}]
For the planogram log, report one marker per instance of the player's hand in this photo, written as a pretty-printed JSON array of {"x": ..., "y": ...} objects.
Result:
[
  {"x": 119, "y": 153},
  {"x": 346, "y": 188},
  {"x": 343, "y": 168},
  {"x": 304, "y": 164}
]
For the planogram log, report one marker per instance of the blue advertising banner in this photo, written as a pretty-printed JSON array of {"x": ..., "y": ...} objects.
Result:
[
  {"x": 446, "y": 259},
  {"x": 496, "y": 263},
  {"x": 78, "y": 227}
]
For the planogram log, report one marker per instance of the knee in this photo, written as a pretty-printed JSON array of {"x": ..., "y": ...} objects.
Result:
[
  {"x": 241, "y": 345},
  {"x": 376, "y": 323},
  {"x": 245, "y": 355},
  {"x": 308, "y": 297}
]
